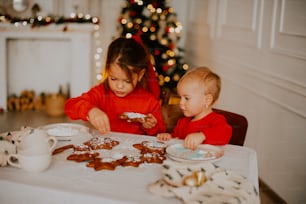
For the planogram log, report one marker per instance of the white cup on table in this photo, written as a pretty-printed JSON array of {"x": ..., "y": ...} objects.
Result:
[
  {"x": 37, "y": 142},
  {"x": 30, "y": 162}
]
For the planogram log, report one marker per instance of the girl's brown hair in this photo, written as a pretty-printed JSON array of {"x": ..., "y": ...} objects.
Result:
[{"x": 130, "y": 56}]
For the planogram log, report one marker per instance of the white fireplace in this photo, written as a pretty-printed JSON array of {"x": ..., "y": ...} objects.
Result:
[{"x": 42, "y": 59}]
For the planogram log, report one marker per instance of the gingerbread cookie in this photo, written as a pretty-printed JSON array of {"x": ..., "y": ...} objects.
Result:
[
  {"x": 83, "y": 156},
  {"x": 153, "y": 157},
  {"x": 146, "y": 146},
  {"x": 133, "y": 117},
  {"x": 105, "y": 163},
  {"x": 96, "y": 143},
  {"x": 133, "y": 161},
  {"x": 63, "y": 148}
]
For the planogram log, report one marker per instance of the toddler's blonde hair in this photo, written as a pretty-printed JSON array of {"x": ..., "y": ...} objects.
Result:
[{"x": 210, "y": 81}]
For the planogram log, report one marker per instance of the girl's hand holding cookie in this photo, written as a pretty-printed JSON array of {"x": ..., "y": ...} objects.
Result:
[
  {"x": 149, "y": 122},
  {"x": 99, "y": 120}
]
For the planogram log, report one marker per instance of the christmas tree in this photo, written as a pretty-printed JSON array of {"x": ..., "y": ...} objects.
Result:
[{"x": 157, "y": 26}]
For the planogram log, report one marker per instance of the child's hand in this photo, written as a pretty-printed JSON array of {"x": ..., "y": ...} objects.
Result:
[
  {"x": 163, "y": 136},
  {"x": 193, "y": 140},
  {"x": 99, "y": 120},
  {"x": 149, "y": 122}
]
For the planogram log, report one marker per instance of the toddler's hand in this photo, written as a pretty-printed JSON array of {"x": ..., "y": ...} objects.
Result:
[
  {"x": 163, "y": 136},
  {"x": 99, "y": 120},
  {"x": 193, "y": 140},
  {"x": 149, "y": 122}
]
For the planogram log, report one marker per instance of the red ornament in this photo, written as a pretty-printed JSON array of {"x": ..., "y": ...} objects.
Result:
[
  {"x": 171, "y": 46},
  {"x": 133, "y": 13},
  {"x": 156, "y": 52},
  {"x": 154, "y": 4},
  {"x": 167, "y": 30},
  {"x": 165, "y": 68}
]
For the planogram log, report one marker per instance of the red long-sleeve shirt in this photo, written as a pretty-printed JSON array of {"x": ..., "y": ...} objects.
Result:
[
  {"x": 213, "y": 126},
  {"x": 139, "y": 101}
]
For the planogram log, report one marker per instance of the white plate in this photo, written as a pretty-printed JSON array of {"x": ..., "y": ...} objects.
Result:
[
  {"x": 203, "y": 152},
  {"x": 64, "y": 129}
]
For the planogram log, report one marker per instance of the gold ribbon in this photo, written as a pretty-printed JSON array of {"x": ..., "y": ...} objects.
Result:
[{"x": 196, "y": 179}]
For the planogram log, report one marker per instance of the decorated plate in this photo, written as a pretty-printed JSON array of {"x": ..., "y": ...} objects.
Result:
[
  {"x": 203, "y": 152},
  {"x": 64, "y": 129}
]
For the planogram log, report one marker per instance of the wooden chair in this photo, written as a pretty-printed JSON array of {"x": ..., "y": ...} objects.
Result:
[
  {"x": 239, "y": 125},
  {"x": 172, "y": 112}
]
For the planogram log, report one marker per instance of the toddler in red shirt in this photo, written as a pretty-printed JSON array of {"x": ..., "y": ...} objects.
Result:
[
  {"x": 125, "y": 88},
  {"x": 199, "y": 89}
]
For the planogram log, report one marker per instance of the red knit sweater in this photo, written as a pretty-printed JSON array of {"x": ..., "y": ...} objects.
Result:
[
  {"x": 139, "y": 101},
  {"x": 213, "y": 126}
]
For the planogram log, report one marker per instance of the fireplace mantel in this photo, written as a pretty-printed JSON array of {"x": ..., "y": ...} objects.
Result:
[{"x": 67, "y": 56}]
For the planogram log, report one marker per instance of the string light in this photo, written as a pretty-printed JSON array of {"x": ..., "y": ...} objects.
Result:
[
  {"x": 128, "y": 35},
  {"x": 97, "y": 55}
]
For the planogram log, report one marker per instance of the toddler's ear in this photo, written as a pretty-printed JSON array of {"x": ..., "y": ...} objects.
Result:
[
  {"x": 209, "y": 99},
  {"x": 141, "y": 74}
]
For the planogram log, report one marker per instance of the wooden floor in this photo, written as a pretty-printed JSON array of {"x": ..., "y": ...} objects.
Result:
[{"x": 10, "y": 121}]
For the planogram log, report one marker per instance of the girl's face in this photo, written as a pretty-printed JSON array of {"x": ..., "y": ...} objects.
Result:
[
  {"x": 193, "y": 100},
  {"x": 119, "y": 82}
]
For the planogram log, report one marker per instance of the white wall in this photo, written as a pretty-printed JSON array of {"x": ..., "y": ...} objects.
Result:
[{"x": 259, "y": 49}]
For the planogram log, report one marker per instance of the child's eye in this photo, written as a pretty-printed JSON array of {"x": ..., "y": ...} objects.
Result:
[
  {"x": 112, "y": 78},
  {"x": 127, "y": 81}
]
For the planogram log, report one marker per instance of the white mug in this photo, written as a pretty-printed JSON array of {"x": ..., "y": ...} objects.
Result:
[
  {"x": 30, "y": 162},
  {"x": 37, "y": 142}
]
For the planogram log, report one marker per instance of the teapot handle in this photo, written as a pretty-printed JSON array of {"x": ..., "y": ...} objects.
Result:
[
  {"x": 13, "y": 160},
  {"x": 53, "y": 142}
]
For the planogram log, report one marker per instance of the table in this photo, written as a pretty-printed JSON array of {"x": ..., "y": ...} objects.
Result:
[{"x": 71, "y": 182}]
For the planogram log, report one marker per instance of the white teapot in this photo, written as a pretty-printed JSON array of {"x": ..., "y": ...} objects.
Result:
[
  {"x": 36, "y": 141},
  {"x": 30, "y": 161}
]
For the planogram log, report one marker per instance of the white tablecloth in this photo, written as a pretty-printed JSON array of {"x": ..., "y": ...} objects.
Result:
[{"x": 71, "y": 182}]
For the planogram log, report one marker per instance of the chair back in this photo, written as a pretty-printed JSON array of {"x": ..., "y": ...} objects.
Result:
[
  {"x": 172, "y": 112},
  {"x": 239, "y": 125}
]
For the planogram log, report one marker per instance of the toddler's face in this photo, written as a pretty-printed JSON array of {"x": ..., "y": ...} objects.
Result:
[
  {"x": 119, "y": 82},
  {"x": 192, "y": 96}
]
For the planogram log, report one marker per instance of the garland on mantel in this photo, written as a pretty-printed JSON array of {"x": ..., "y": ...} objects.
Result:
[{"x": 47, "y": 20}]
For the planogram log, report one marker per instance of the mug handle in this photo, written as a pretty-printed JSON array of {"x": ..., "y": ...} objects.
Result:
[
  {"x": 53, "y": 142},
  {"x": 13, "y": 160}
]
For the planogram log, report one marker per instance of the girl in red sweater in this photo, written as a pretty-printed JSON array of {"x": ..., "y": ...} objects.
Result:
[
  {"x": 127, "y": 87},
  {"x": 199, "y": 89}
]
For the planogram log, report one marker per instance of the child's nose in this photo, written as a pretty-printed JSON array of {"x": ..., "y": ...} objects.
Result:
[
  {"x": 181, "y": 102},
  {"x": 120, "y": 84}
]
